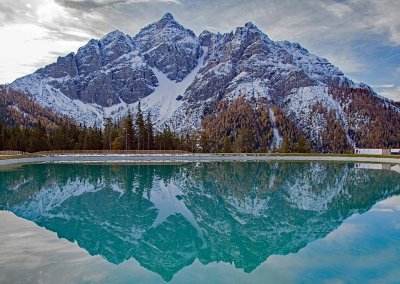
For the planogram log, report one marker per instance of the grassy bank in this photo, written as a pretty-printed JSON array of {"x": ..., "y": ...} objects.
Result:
[{"x": 6, "y": 157}]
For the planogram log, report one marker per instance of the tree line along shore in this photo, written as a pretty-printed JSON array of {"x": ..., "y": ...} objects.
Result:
[
  {"x": 233, "y": 128},
  {"x": 135, "y": 132}
]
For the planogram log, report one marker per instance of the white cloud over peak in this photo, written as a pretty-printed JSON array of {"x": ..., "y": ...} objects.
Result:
[{"x": 350, "y": 33}]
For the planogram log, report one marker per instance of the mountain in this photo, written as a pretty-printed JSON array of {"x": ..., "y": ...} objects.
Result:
[
  {"x": 168, "y": 216},
  {"x": 181, "y": 78}
]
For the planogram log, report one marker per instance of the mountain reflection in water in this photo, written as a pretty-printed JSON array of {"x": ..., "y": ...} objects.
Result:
[{"x": 166, "y": 216}]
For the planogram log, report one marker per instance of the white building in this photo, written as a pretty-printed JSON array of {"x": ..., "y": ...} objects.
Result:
[
  {"x": 366, "y": 151},
  {"x": 371, "y": 151}
]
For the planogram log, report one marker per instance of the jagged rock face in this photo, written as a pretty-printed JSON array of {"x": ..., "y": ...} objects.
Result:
[
  {"x": 169, "y": 47},
  {"x": 103, "y": 72},
  {"x": 127, "y": 82},
  {"x": 248, "y": 63},
  {"x": 118, "y": 67},
  {"x": 166, "y": 61}
]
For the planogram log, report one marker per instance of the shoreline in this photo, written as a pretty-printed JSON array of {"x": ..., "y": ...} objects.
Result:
[{"x": 166, "y": 158}]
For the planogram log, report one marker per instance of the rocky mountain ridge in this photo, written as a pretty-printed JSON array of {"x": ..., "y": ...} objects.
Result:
[{"x": 179, "y": 78}]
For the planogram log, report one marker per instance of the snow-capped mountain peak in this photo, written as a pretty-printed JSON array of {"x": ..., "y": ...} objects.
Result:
[
  {"x": 168, "y": 16},
  {"x": 107, "y": 77}
]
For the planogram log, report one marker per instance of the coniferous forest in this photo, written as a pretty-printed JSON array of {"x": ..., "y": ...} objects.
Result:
[
  {"x": 233, "y": 126},
  {"x": 130, "y": 133},
  {"x": 245, "y": 130}
]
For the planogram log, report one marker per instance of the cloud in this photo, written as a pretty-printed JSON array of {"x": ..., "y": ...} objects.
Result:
[
  {"x": 377, "y": 16},
  {"x": 393, "y": 95},
  {"x": 28, "y": 37},
  {"x": 383, "y": 86},
  {"x": 346, "y": 62},
  {"x": 95, "y": 4},
  {"x": 386, "y": 18},
  {"x": 338, "y": 9},
  {"x": 36, "y": 33},
  {"x": 389, "y": 90},
  {"x": 347, "y": 32}
]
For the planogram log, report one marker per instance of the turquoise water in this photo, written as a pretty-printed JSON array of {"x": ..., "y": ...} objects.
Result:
[{"x": 227, "y": 222}]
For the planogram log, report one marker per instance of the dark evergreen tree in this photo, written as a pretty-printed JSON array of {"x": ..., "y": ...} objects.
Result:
[
  {"x": 2, "y": 139},
  {"x": 167, "y": 140},
  {"x": 227, "y": 146},
  {"x": 38, "y": 140},
  {"x": 128, "y": 135},
  {"x": 334, "y": 137},
  {"x": 141, "y": 129},
  {"x": 149, "y": 133},
  {"x": 108, "y": 135},
  {"x": 204, "y": 142},
  {"x": 82, "y": 139},
  {"x": 285, "y": 146},
  {"x": 302, "y": 145}
]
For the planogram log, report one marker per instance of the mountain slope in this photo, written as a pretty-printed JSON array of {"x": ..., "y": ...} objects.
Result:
[
  {"x": 16, "y": 108},
  {"x": 180, "y": 78}
]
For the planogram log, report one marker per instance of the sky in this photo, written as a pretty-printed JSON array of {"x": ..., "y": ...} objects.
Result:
[{"x": 361, "y": 37}]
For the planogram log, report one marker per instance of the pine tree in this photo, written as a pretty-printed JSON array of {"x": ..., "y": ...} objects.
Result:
[
  {"x": 12, "y": 143},
  {"x": 2, "y": 138},
  {"x": 204, "y": 142},
  {"x": 302, "y": 145},
  {"x": 98, "y": 135},
  {"x": 149, "y": 132},
  {"x": 72, "y": 135},
  {"x": 141, "y": 129},
  {"x": 38, "y": 140},
  {"x": 334, "y": 137},
  {"x": 285, "y": 146},
  {"x": 82, "y": 142},
  {"x": 108, "y": 134},
  {"x": 248, "y": 137},
  {"x": 227, "y": 146},
  {"x": 128, "y": 133}
]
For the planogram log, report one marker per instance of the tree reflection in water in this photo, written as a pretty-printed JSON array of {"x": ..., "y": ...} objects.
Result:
[{"x": 166, "y": 216}]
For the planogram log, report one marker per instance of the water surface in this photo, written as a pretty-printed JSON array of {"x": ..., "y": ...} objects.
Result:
[{"x": 220, "y": 222}]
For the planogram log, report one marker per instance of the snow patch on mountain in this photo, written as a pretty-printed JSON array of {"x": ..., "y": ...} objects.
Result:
[
  {"x": 299, "y": 106},
  {"x": 167, "y": 97},
  {"x": 277, "y": 138}
]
